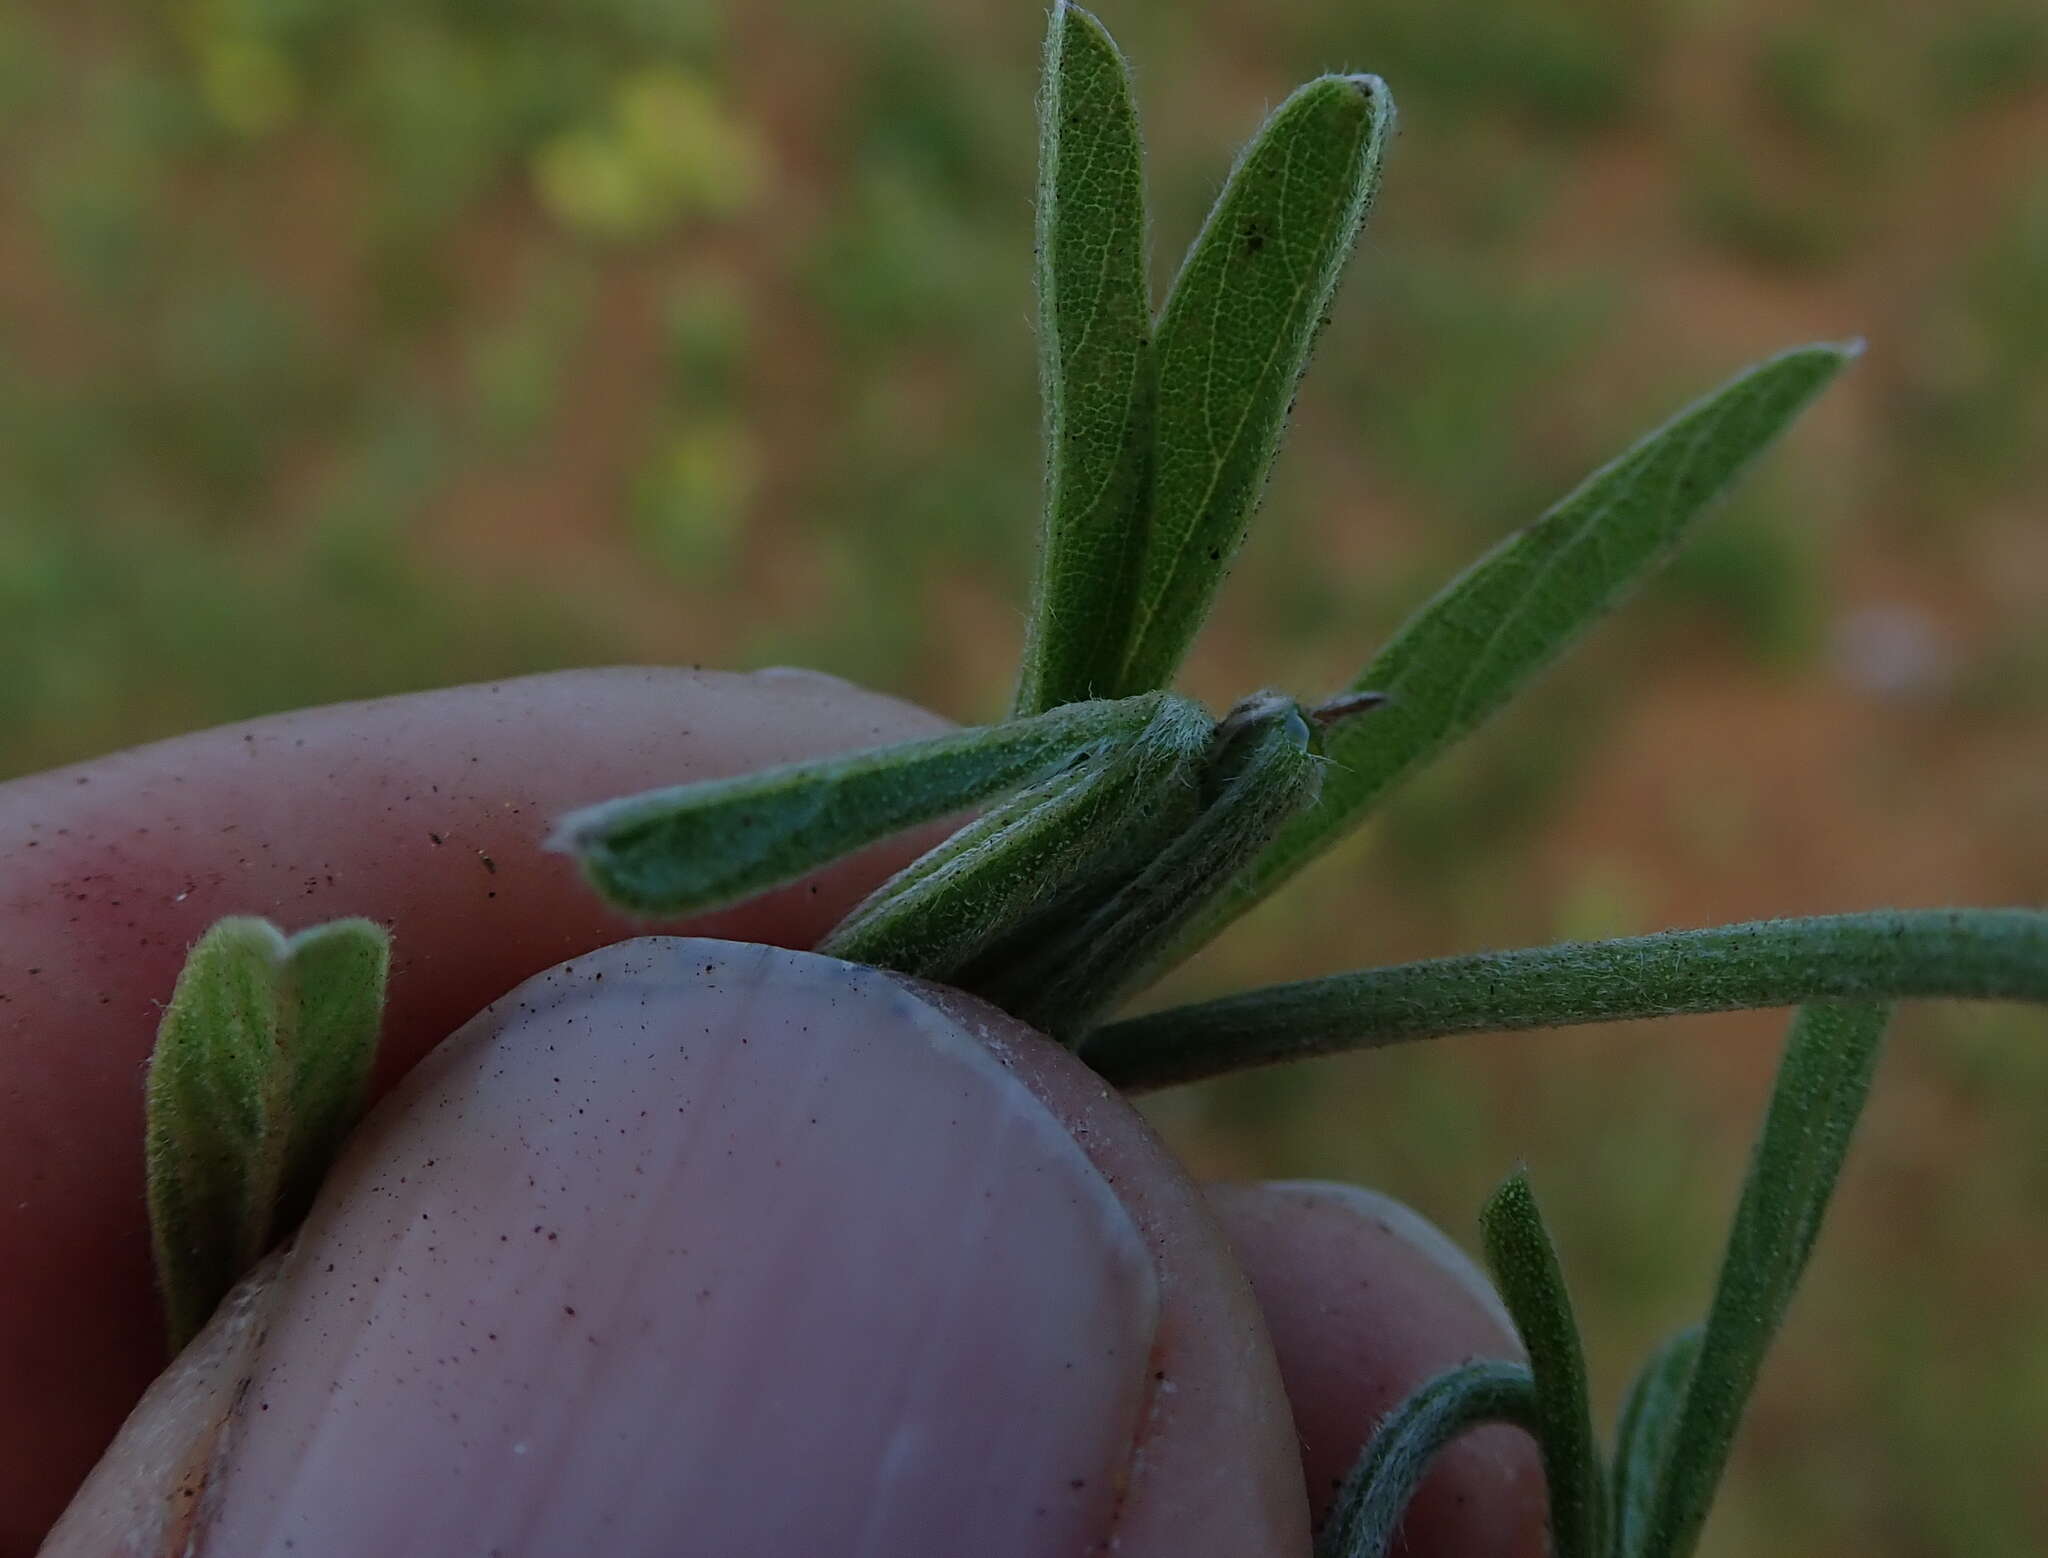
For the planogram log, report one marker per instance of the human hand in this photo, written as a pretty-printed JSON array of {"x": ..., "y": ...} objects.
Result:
[{"x": 689, "y": 1247}]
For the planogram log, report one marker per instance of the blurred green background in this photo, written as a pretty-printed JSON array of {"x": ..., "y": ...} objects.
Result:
[{"x": 354, "y": 346}]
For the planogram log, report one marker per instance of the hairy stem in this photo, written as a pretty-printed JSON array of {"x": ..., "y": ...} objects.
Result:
[
  {"x": 1987, "y": 954},
  {"x": 1368, "y": 1511}
]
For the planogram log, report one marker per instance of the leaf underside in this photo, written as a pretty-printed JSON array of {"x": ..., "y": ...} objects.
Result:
[
  {"x": 1095, "y": 367},
  {"x": 1233, "y": 341},
  {"x": 693, "y": 847}
]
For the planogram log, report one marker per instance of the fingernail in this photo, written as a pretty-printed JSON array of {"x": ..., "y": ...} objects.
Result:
[
  {"x": 696, "y": 1243},
  {"x": 1415, "y": 1231}
]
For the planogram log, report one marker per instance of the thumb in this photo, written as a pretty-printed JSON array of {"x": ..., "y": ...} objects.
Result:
[{"x": 695, "y": 1247}]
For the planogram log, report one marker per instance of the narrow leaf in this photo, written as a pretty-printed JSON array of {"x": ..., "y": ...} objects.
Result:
[
  {"x": 1068, "y": 838},
  {"x": 260, "y": 1069},
  {"x": 1233, "y": 341},
  {"x": 1970, "y": 954},
  {"x": 1259, "y": 773},
  {"x": 1642, "y": 1439},
  {"x": 695, "y": 846},
  {"x": 1494, "y": 627},
  {"x": 1368, "y": 1510},
  {"x": 1095, "y": 367},
  {"x": 1822, "y": 1083},
  {"x": 1525, "y": 1268}
]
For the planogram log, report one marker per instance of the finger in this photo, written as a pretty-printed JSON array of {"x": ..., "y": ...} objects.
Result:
[
  {"x": 423, "y": 812},
  {"x": 1365, "y": 1300},
  {"x": 1215, "y": 1470},
  {"x": 754, "y": 1245}
]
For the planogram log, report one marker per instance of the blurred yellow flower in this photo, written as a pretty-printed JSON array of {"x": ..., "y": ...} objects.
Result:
[
  {"x": 247, "y": 84},
  {"x": 669, "y": 152},
  {"x": 587, "y": 184},
  {"x": 705, "y": 159}
]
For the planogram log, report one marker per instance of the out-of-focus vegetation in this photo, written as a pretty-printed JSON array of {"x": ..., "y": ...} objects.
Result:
[{"x": 351, "y": 346}]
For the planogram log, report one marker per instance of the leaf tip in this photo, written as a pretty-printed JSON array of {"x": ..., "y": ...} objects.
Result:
[
  {"x": 1837, "y": 354},
  {"x": 1351, "y": 90},
  {"x": 1373, "y": 89},
  {"x": 1512, "y": 1195},
  {"x": 245, "y": 934},
  {"x": 576, "y": 832},
  {"x": 1065, "y": 11},
  {"x": 354, "y": 928}
]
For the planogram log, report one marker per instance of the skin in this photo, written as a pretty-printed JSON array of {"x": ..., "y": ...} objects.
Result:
[{"x": 1289, "y": 1323}]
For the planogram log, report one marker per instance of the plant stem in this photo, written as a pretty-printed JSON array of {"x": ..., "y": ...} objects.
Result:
[
  {"x": 1982, "y": 954},
  {"x": 1369, "y": 1506}
]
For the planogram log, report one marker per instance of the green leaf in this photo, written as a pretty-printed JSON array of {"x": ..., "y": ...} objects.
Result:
[
  {"x": 1368, "y": 1509},
  {"x": 1642, "y": 1439},
  {"x": 1233, "y": 340},
  {"x": 1095, "y": 367},
  {"x": 1258, "y": 773},
  {"x": 1525, "y": 1268},
  {"x": 336, "y": 974},
  {"x": 1065, "y": 840},
  {"x": 261, "y": 1066},
  {"x": 1971, "y": 954},
  {"x": 1466, "y": 652},
  {"x": 1822, "y": 1083},
  {"x": 693, "y": 847}
]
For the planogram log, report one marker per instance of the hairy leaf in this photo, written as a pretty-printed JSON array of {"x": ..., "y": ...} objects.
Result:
[
  {"x": 1233, "y": 340},
  {"x": 1258, "y": 773},
  {"x": 261, "y": 1065},
  {"x": 1822, "y": 1083},
  {"x": 1065, "y": 839},
  {"x": 1095, "y": 367},
  {"x": 1981, "y": 954},
  {"x": 695, "y": 846},
  {"x": 1525, "y": 1268},
  {"x": 1466, "y": 652}
]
